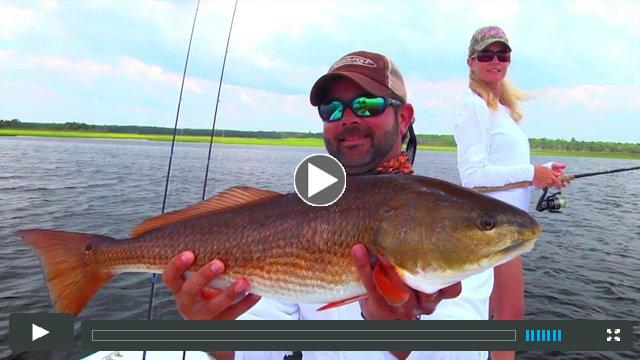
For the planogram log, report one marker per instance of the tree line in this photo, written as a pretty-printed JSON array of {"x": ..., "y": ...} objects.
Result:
[
  {"x": 152, "y": 130},
  {"x": 423, "y": 139}
]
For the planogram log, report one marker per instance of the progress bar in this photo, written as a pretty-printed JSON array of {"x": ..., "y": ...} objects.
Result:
[
  {"x": 357, "y": 335},
  {"x": 333, "y": 335}
]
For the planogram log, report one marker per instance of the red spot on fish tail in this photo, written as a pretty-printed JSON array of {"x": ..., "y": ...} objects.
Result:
[
  {"x": 66, "y": 260},
  {"x": 339, "y": 303},
  {"x": 389, "y": 284}
]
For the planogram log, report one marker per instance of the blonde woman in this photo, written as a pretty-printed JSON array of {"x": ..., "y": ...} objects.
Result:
[{"x": 494, "y": 151}]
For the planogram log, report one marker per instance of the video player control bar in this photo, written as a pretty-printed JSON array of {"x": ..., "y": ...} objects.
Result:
[{"x": 603, "y": 335}]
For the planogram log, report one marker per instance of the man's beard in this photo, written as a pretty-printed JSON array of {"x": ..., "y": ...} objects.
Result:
[{"x": 381, "y": 146}]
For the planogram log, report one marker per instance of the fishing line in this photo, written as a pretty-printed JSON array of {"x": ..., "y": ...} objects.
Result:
[
  {"x": 173, "y": 142},
  {"x": 215, "y": 112}
]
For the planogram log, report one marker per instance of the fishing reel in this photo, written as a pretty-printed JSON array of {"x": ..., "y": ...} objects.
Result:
[{"x": 553, "y": 203}]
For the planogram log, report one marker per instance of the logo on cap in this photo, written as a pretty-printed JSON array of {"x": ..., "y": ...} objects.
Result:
[
  {"x": 493, "y": 31},
  {"x": 353, "y": 60}
]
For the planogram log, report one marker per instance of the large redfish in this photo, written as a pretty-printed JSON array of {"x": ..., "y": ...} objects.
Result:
[{"x": 434, "y": 234}]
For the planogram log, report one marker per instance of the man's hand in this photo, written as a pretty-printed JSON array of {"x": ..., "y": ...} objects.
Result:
[
  {"x": 197, "y": 301},
  {"x": 429, "y": 302},
  {"x": 375, "y": 307}
]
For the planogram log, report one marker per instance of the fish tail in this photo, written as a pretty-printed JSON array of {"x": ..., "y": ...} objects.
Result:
[{"x": 73, "y": 277}]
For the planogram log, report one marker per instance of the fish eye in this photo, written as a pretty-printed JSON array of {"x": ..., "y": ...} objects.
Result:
[{"x": 486, "y": 223}]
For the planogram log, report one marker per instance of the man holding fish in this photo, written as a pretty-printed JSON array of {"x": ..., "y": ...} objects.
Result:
[
  {"x": 362, "y": 101},
  {"x": 311, "y": 262}
]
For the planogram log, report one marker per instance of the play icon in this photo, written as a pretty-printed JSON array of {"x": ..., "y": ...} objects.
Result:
[
  {"x": 37, "y": 332},
  {"x": 319, "y": 180},
  {"x": 40, "y": 332}
]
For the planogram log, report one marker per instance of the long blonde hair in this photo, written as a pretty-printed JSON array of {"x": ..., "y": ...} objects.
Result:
[{"x": 510, "y": 96}]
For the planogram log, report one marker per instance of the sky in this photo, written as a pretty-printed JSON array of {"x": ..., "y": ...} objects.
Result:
[{"x": 121, "y": 62}]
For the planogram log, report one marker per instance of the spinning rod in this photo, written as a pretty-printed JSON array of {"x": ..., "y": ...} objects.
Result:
[{"x": 554, "y": 202}]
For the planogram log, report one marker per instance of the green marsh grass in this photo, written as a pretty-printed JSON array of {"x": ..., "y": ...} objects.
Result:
[{"x": 264, "y": 141}]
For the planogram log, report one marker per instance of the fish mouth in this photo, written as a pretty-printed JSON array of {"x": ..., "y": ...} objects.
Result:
[
  {"x": 511, "y": 251},
  {"x": 514, "y": 248}
]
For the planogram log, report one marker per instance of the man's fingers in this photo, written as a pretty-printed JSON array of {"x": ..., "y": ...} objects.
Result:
[
  {"x": 229, "y": 296},
  {"x": 360, "y": 256},
  {"x": 429, "y": 302},
  {"x": 196, "y": 282},
  {"x": 240, "y": 308},
  {"x": 391, "y": 272},
  {"x": 172, "y": 275},
  {"x": 429, "y": 307},
  {"x": 451, "y": 291},
  {"x": 208, "y": 292}
]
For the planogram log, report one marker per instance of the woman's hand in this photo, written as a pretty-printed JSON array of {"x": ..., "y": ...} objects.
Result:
[
  {"x": 545, "y": 177},
  {"x": 198, "y": 301},
  {"x": 558, "y": 170}
]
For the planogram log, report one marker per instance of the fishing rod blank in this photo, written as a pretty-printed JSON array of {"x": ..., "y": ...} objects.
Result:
[
  {"x": 571, "y": 177},
  {"x": 521, "y": 184},
  {"x": 173, "y": 142},
  {"x": 215, "y": 112}
]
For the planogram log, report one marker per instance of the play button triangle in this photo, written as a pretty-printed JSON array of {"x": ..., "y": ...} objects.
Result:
[
  {"x": 318, "y": 180},
  {"x": 37, "y": 332}
]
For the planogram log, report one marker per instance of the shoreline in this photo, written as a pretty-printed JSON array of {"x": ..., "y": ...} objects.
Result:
[{"x": 306, "y": 142}]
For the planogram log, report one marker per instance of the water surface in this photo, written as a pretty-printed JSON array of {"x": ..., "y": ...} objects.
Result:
[{"x": 585, "y": 264}]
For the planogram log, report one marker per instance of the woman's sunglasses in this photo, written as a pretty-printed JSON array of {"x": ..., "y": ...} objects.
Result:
[
  {"x": 487, "y": 55},
  {"x": 362, "y": 106}
]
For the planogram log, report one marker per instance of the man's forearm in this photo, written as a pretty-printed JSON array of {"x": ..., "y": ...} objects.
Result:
[
  {"x": 223, "y": 355},
  {"x": 401, "y": 355}
]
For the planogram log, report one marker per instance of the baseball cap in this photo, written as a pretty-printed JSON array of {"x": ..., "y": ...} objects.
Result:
[
  {"x": 374, "y": 72},
  {"x": 485, "y": 36}
]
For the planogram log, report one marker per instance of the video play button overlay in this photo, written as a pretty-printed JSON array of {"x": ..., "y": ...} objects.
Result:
[
  {"x": 40, "y": 331},
  {"x": 319, "y": 180},
  {"x": 37, "y": 332}
]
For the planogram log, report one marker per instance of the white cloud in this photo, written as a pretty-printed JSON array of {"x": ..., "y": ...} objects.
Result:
[
  {"x": 6, "y": 55},
  {"x": 444, "y": 93},
  {"x": 139, "y": 69},
  {"x": 615, "y": 12},
  {"x": 49, "y": 4},
  {"x": 265, "y": 61},
  {"x": 15, "y": 21},
  {"x": 86, "y": 71},
  {"x": 592, "y": 97},
  {"x": 260, "y": 101}
]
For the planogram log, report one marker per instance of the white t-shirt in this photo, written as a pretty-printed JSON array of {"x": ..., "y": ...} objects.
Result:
[
  {"x": 276, "y": 310},
  {"x": 492, "y": 151}
]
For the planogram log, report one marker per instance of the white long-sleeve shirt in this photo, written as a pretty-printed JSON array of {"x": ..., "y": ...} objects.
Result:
[{"x": 492, "y": 150}]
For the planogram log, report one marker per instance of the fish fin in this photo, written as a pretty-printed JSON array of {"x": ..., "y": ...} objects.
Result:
[
  {"x": 335, "y": 304},
  {"x": 387, "y": 283},
  {"x": 70, "y": 274},
  {"x": 231, "y": 198}
]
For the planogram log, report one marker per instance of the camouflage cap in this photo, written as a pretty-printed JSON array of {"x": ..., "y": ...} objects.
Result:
[{"x": 485, "y": 36}]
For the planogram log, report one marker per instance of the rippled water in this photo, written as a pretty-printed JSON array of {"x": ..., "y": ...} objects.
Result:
[{"x": 584, "y": 266}]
